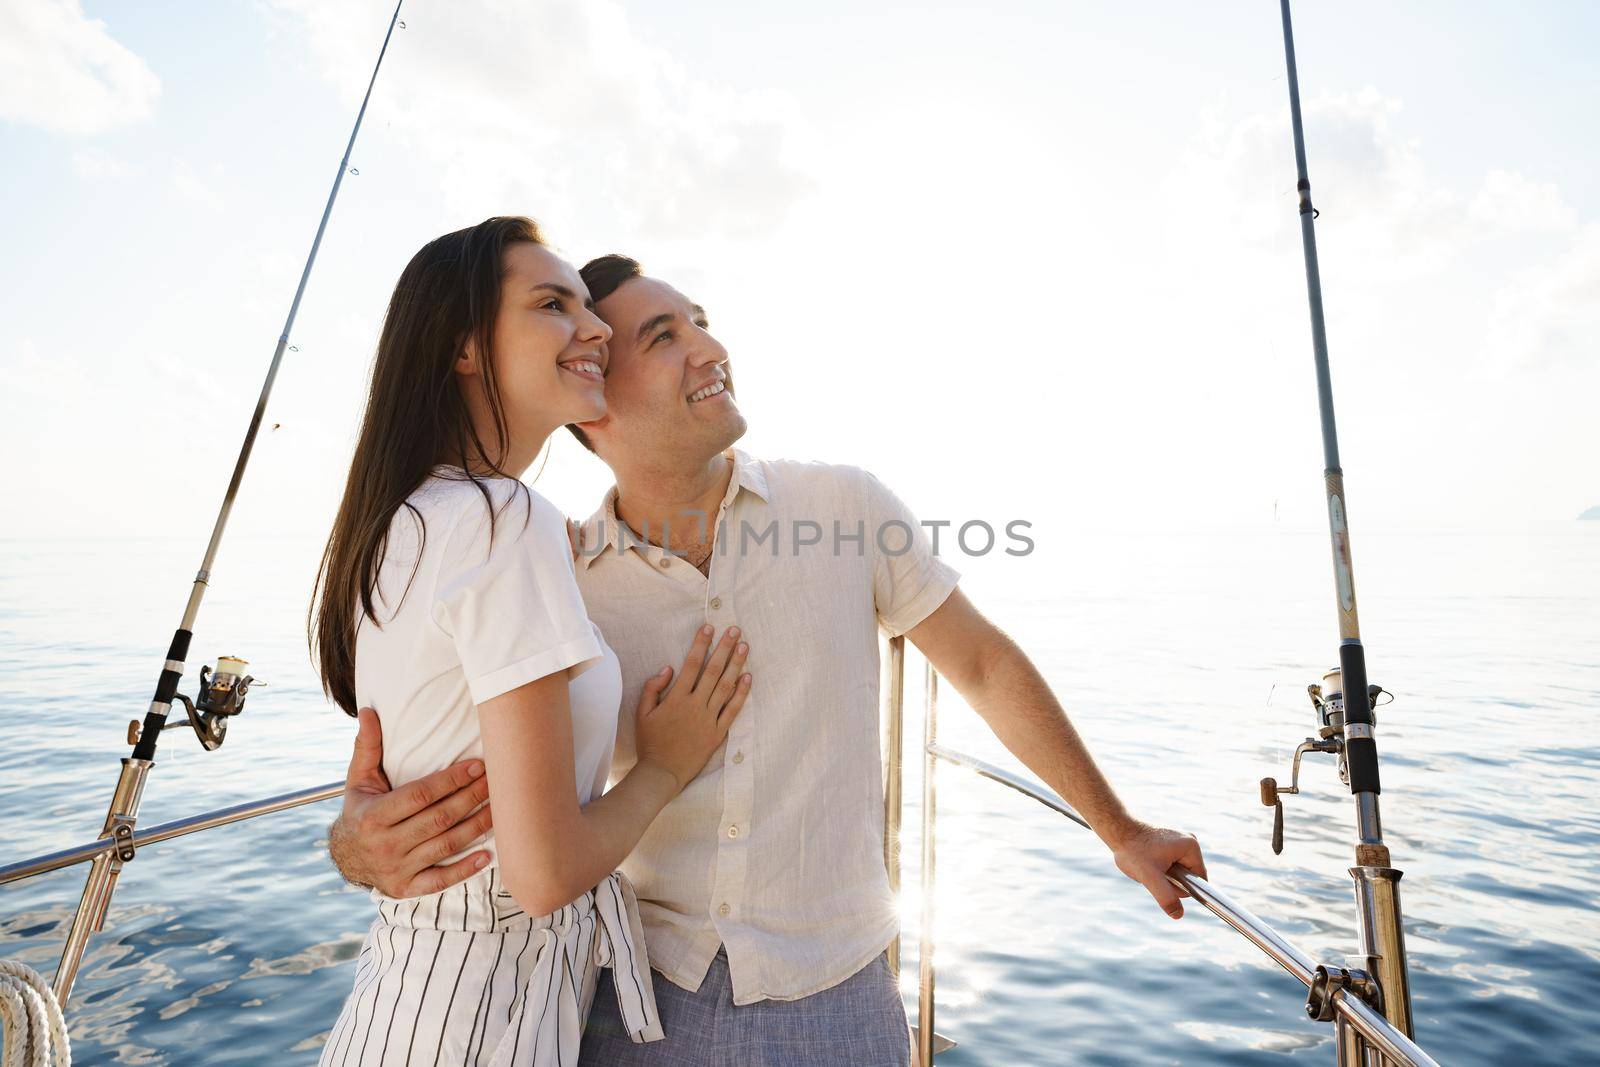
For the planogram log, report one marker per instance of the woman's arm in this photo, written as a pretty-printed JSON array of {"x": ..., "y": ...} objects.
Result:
[{"x": 551, "y": 849}]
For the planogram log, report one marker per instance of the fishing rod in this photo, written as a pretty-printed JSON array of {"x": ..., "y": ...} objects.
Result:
[
  {"x": 1343, "y": 703},
  {"x": 223, "y": 691}
]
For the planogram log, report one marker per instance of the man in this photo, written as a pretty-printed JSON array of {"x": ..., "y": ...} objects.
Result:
[{"x": 762, "y": 886}]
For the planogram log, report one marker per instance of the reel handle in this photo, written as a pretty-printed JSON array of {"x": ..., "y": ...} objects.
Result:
[{"x": 1269, "y": 798}]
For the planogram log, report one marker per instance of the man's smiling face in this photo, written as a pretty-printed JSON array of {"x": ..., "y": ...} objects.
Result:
[{"x": 668, "y": 388}]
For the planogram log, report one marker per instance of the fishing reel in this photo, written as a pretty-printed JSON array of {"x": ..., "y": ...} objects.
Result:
[
  {"x": 221, "y": 697},
  {"x": 1327, "y": 701}
]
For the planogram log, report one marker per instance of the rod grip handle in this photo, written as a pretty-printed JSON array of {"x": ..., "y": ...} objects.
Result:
[
  {"x": 1361, "y": 753},
  {"x": 166, "y": 689}
]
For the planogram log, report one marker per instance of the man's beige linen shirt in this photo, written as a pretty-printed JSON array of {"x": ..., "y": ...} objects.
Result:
[{"x": 776, "y": 850}]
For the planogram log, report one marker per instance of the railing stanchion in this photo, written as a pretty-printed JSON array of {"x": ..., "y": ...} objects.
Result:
[
  {"x": 893, "y": 781},
  {"x": 930, "y": 737},
  {"x": 1351, "y": 1049}
]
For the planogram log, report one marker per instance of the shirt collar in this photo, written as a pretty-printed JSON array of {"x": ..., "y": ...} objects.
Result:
[
  {"x": 747, "y": 474},
  {"x": 600, "y": 530}
]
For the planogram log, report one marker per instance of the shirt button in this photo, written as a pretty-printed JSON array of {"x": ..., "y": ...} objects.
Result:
[
  {"x": 666, "y": 561},
  {"x": 724, "y": 910},
  {"x": 716, "y": 602},
  {"x": 738, "y": 757},
  {"x": 733, "y": 831}
]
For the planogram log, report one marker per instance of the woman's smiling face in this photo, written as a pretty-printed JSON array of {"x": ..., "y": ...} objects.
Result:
[{"x": 549, "y": 352}]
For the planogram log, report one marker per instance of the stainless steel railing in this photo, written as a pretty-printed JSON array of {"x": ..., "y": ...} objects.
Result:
[
  {"x": 69, "y": 857},
  {"x": 1391, "y": 1045},
  {"x": 1352, "y": 1012},
  {"x": 106, "y": 850}
]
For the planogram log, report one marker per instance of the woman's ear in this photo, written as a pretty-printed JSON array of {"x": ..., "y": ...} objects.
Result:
[{"x": 467, "y": 358}]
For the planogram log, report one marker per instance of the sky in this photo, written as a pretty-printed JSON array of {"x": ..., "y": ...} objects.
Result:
[{"x": 1022, "y": 260}]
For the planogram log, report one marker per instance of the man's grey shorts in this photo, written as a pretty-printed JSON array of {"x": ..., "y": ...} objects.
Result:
[{"x": 860, "y": 1022}]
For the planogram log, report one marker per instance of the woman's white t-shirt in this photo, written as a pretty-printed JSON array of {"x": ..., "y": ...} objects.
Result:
[{"x": 466, "y": 616}]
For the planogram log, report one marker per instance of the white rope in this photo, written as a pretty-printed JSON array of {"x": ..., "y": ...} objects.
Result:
[{"x": 33, "y": 1032}]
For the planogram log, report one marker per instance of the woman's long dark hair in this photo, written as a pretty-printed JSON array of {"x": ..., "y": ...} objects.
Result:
[{"x": 416, "y": 419}]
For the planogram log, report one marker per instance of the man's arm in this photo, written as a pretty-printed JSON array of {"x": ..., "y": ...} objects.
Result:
[
  {"x": 395, "y": 839},
  {"x": 1003, "y": 686}
]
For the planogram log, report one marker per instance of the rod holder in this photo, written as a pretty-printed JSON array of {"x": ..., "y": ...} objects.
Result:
[{"x": 101, "y": 881}]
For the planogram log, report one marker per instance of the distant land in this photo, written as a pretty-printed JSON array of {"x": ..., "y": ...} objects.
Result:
[{"x": 1592, "y": 513}]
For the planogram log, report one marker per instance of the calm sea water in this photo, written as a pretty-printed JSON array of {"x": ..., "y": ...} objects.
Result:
[{"x": 1183, "y": 658}]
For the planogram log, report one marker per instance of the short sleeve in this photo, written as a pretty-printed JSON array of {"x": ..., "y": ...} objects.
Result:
[
  {"x": 509, "y": 598},
  {"x": 909, "y": 580}
]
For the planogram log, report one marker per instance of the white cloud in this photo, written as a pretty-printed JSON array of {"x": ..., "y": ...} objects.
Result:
[
  {"x": 559, "y": 105},
  {"x": 1496, "y": 266},
  {"x": 193, "y": 188},
  {"x": 95, "y": 164},
  {"x": 65, "y": 72},
  {"x": 1512, "y": 203},
  {"x": 1366, "y": 177},
  {"x": 1550, "y": 313},
  {"x": 32, "y": 376}
]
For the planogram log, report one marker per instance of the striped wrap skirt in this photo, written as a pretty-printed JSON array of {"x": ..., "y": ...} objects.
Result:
[{"x": 466, "y": 977}]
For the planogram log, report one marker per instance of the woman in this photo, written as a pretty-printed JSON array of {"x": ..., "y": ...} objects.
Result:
[{"x": 447, "y": 600}]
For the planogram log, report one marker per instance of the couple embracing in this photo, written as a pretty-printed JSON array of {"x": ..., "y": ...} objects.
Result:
[{"x": 698, "y": 881}]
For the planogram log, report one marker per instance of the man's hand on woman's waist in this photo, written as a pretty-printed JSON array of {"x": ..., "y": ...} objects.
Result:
[{"x": 395, "y": 840}]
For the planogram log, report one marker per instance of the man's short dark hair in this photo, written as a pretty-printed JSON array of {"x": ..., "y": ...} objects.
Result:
[{"x": 604, "y": 275}]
